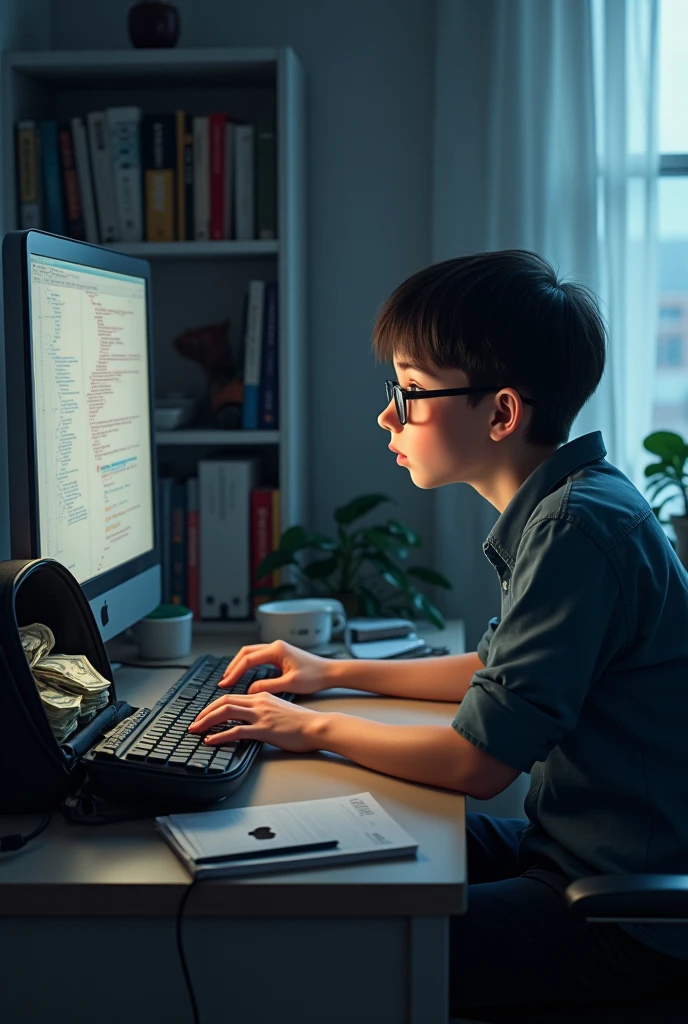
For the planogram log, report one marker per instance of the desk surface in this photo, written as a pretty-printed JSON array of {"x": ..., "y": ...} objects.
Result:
[{"x": 127, "y": 868}]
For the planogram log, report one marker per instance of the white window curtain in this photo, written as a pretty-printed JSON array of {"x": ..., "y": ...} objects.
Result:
[{"x": 546, "y": 139}]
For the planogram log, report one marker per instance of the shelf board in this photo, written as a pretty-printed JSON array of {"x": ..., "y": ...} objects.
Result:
[
  {"x": 228, "y": 437},
  {"x": 196, "y": 250}
]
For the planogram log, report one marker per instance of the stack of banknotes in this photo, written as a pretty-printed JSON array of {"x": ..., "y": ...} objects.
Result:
[{"x": 71, "y": 689}]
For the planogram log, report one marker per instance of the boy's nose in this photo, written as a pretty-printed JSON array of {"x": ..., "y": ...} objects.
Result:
[{"x": 388, "y": 418}]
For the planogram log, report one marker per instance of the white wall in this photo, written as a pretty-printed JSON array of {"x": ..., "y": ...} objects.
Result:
[
  {"x": 24, "y": 25},
  {"x": 370, "y": 78}
]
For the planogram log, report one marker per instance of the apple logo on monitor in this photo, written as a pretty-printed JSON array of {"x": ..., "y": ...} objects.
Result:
[
  {"x": 263, "y": 832},
  {"x": 104, "y": 614}
]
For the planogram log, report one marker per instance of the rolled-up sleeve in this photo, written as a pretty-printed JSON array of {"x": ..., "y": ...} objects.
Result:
[
  {"x": 563, "y": 624},
  {"x": 484, "y": 645}
]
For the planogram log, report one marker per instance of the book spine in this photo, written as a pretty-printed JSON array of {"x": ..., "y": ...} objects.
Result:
[
  {"x": 276, "y": 532},
  {"x": 244, "y": 213},
  {"x": 70, "y": 186},
  {"x": 224, "y": 532},
  {"x": 52, "y": 178},
  {"x": 180, "y": 198},
  {"x": 266, "y": 177},
  {"x": 103, "y": 175},
  {"x": 268, "y": 376},
  {"x": 178, "y": 543},
  {"x": 229, "y": 178},
  {"x": 201, "y": 174},
  {"x": 189, "y": 179},
  {"x": 124, "y": 129},
  {"x": 158, "y": 158},
  {"x": 218, "y": 144},
  {"x": 253, "y": 345},
  {"x": 28, "y": 174},
  {"x": 165, "y": 504},
  {"x": 192, "y": 546},
  {"x": 261, "y": 539},
  {"x": 83, "y": 170}
]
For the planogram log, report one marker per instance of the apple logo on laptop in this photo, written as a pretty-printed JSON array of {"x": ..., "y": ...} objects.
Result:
[
  {"x": 104, "y": 614},
  {"x": 262, "y": 832}
]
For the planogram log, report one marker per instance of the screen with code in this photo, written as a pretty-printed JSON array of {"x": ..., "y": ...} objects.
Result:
[{"x": 92, "y": 416}]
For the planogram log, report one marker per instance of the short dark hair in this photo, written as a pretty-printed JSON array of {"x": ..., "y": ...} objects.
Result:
[{"x": 503, "y": 318}]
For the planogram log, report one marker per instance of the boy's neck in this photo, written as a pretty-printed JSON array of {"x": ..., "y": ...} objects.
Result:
[{"x": 510, "y": 471}]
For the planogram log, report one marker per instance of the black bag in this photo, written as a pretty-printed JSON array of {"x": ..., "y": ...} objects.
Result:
[{"x": 36, "y": 773}]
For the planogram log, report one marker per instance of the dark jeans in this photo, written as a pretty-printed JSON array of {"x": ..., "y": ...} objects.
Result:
[{"x": 518, "y": 943}]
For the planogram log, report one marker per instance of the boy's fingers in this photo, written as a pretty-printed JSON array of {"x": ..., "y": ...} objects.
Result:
[
  {"x": 238, "y": 732},
  {"x": 278, "y": 685},
  {"x": 222, "y": 714},
  {"x": 258, "y": 654}
]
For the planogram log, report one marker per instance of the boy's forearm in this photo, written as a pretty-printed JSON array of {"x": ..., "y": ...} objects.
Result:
[
  {"x": 432, "y": 754},
  {"x": 443, "y": 678}
]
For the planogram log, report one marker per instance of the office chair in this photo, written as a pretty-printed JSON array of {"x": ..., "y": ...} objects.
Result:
[{"x": 615, "y": 899}]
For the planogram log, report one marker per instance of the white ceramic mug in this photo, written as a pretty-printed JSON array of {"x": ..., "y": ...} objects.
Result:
[
  {"x": 164, "y": 637},
  {"x": 304, "y": 622}
]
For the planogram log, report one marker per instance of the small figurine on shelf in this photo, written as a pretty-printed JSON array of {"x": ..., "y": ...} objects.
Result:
[{"x": 209, "y": 346}]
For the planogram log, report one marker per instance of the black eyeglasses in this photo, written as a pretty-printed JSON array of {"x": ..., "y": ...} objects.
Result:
[{"x": 403, "y": 395}]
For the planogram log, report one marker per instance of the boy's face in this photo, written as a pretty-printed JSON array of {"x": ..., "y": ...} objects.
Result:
[{"x": 445, "y": 440}]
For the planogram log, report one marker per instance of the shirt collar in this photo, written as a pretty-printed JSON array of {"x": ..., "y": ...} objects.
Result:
[{"x": 506, "y": 534}]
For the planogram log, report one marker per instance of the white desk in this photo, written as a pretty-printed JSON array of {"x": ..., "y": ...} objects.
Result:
[{"x": 87, "y": 913}]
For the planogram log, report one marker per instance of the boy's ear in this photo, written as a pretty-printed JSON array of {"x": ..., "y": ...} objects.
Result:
[{"x": 507, "y": 413}]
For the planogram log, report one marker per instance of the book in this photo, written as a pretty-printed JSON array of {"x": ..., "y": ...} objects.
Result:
[
  {"x": 276, "y": 532},
  {"x": 253, "y": 348},
  {"x": 182, "y": 138},
  {"x": 244, "y": 191},
  {"x": 267, "y": 392},
  {"x": 261, "y": 538},
  {"x": 70, "y": 186},
  {"x": 124, "y": 129},
  {"x": 201, "y": 178},
  {"x": 229, "y": 178},
  {"x": 158, "y": 159},
  {"x": 266, "y": 177},
  {"x": 52, "y": 177},
  {"x": 233, "y": 842},
  {"x": 224, "y": 488},
  {"x": 178, "y": 543},
  {"x": 192, "y": 546},
  {"x": 83, "y": 171},
  {"x": 103, "y": 175},
  {"x": 217, "y": 153},
  {"x": 28, "y": 174},
  {"x": 165, "y": 519}
]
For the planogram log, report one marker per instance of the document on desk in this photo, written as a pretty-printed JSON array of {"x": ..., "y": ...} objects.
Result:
[{"x": 281, "y": 837}]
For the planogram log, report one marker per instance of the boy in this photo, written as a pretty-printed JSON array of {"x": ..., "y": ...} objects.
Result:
[{"x": 582, "y": 681}]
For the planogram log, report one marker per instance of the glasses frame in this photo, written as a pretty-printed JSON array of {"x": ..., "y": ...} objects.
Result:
[{"x": 403, "y": 395}]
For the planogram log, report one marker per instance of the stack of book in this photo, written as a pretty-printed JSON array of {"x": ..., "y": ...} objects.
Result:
[
  {"x": 119, "y": 175},
  {"x": 215, "y": 530}
]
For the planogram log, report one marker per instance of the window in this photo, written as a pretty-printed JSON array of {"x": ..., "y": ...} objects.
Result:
[{"x": 671, "y": 380}]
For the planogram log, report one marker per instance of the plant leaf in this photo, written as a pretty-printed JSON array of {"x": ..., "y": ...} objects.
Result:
[
  {"x": 654, "y": 468},
  {"x": 429, "y": 576},
  {"x": 275, "y": 560},
  {"x": 323, "y": 567},
  {"x": 293, "y": 539},
  {"x": 666, "y": 444},
  {"x": 358, "y": 507},
  {"x": 383, "y": 542},
  {"x": 409, "y": 536},
  {"x": 428, "y": 609}
]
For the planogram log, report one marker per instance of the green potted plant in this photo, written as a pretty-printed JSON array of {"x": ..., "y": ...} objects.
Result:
[
  {"x": 668, "y": 479},
  {"x": 360, "y": 567}
]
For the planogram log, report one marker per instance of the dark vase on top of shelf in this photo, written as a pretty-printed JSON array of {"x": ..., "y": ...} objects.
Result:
[{"x": 152, "y": 23}]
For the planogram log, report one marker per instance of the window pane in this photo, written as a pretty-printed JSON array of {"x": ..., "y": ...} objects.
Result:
[
  {"x": 673, "y": 76},
  {"x": 671, "y": 382}
]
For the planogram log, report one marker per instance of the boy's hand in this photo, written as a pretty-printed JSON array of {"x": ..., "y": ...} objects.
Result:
[
  {"x": 301, "y": 672},
  {"x": 264, "y": 717}
]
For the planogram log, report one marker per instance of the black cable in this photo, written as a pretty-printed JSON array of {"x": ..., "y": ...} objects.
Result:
[
  {"x": 180, "y": 950},
  {"x": 14, "y": 842}
]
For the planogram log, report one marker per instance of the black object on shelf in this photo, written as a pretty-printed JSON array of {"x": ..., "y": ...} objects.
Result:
[{"x": 153, "y": 23}]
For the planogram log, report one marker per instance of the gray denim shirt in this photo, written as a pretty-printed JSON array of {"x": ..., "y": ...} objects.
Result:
[{"x": 585, "y": 683}]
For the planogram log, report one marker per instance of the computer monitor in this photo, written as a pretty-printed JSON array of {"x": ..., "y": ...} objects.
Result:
[{"x": 80, "y": 408}]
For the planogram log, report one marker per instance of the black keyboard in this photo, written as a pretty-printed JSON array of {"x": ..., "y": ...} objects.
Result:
[{"x": 157, "y": 740}]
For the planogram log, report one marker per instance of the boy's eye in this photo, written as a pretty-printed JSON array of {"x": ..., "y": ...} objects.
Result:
[{"x": 414, "y": 387}]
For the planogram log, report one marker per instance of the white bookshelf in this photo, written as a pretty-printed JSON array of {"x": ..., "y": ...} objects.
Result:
[{"x": 197, "y": 283}]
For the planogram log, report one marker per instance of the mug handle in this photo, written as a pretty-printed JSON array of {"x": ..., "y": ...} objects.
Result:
[{"x": 338, "y": 621}]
